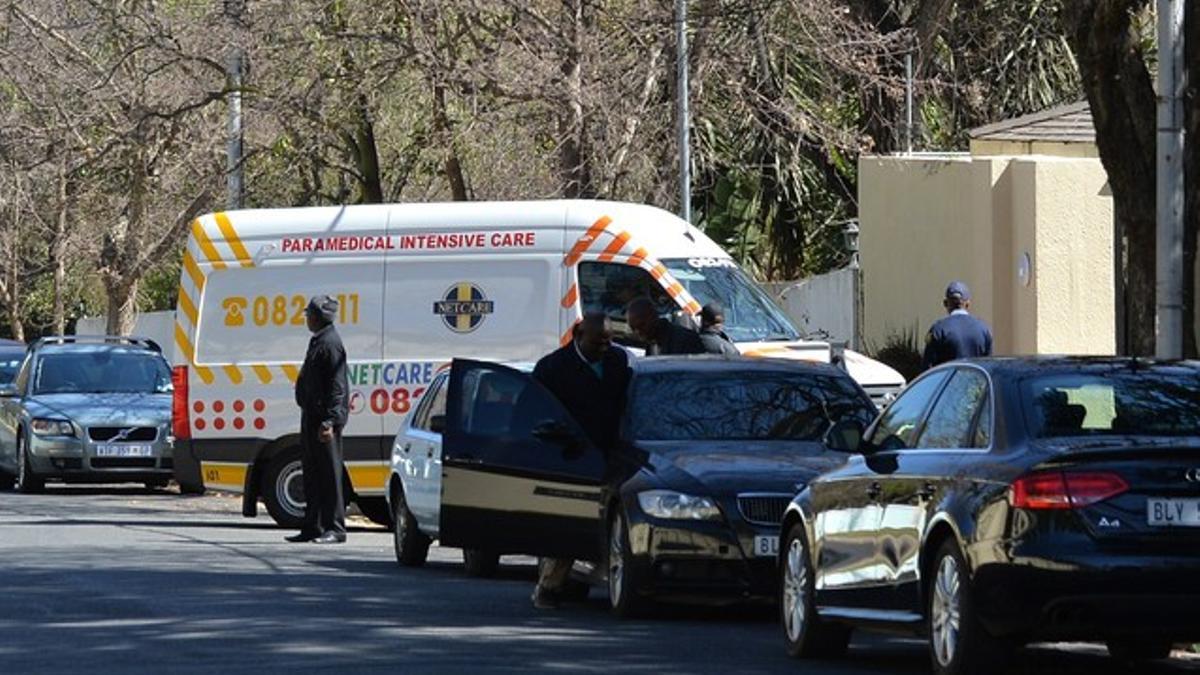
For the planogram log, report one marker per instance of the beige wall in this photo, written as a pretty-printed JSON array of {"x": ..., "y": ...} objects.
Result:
[{"x": 930, "y": 219}]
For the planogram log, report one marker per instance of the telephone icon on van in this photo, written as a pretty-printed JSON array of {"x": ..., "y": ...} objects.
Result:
[{"x": 235, "y": 311}]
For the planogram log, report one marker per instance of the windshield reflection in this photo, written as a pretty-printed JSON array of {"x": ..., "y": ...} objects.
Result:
[{"x": 754, "y": 406}]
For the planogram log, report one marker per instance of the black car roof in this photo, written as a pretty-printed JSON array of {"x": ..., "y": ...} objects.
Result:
[
  {"x": 1017, "y": 366},
  {"x": 711, "y": 363}
]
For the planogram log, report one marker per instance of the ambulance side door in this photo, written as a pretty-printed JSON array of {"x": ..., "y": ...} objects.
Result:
[{"x": 519, "y": 475}]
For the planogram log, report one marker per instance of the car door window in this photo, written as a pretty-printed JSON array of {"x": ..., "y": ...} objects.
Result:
[
  {"x": 983, "y": 426},
  {"x": 496, "y": 411},
  {"x": 952, "y": 417},
  {"x": 609, "y": 288},
  {"x": 22, "y": 379},
  {"x": 432, "y": 404},
  {"x": 898, "y": 427}
]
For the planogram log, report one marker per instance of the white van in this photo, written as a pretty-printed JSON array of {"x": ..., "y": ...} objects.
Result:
[{"x": 418, "y": 285}]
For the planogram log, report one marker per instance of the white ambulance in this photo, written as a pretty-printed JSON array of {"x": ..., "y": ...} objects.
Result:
[{"x": 418, "y": 285}]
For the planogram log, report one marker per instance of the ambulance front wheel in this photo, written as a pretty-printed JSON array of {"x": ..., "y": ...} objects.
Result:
[{"x": 283, "y": 489}]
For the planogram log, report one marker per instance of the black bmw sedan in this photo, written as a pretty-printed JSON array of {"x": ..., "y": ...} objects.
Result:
[
  {"x": 687, "y": 507},
  {"x": 1003, "y": 501}
]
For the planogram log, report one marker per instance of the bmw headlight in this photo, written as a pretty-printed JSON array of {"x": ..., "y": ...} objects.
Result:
[
  {"x": 48, "y": 427},
  {"x": 677, "y": 506}
]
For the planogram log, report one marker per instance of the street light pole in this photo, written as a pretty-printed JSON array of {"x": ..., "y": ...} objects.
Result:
[
  {"x": 682, "y": 114},
  {"x": 1170, "y": 181}
]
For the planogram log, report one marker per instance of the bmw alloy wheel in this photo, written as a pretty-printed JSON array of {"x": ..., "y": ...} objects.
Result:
[
  {"x": 795, "y": 589},
  {"x": 616, "y": 560},
  {"x": 946, "y": 611}
]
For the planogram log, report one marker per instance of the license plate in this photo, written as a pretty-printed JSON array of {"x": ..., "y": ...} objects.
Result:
[
  {"x": 124, "y": 450},
  {"x": 1173, "y": 512},
  {"x": 765, "y": 546}
]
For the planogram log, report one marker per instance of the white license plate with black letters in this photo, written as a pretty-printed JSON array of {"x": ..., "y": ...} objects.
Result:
[
  {"x": 1173, "y": 512},
  {"x": 765, "y": 545},
  {"x": 124, "y": 450}
]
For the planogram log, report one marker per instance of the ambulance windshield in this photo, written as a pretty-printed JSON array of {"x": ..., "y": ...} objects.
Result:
[{"x": 750, "y": 316}]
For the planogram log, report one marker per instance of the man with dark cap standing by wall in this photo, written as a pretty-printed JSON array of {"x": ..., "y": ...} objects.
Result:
[
  {"x": 662, "y": 336},
  {"x": 959, "y": 335},
  {"x": 321, "y": 392},
  {"x": 712, "y": 331}
]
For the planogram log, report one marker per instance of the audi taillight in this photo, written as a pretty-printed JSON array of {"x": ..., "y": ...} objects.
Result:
[
  {"x": 1064, "y": 489},
  {"x": 181, "y": 425}
]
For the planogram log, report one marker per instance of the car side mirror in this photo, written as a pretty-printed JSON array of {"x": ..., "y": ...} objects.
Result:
[
  {"x": 9, "y": 391},
  {"x": 437, "y": 424},
  {"x": 552, "y": 431},
  {"x": 845, "y": 436}
]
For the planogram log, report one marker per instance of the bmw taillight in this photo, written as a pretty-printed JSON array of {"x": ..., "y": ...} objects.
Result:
[
  {"x": 181, "y": 425},
  {"x": 1064, "y": 489}
]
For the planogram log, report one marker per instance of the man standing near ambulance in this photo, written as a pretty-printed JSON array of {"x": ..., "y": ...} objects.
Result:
[
  {"x": 322, "y": 394},
  {"x": 589, "y": 377}
]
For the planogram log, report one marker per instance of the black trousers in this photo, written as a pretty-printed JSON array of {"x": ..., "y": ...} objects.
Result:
[{"x": 324, "y": 507}]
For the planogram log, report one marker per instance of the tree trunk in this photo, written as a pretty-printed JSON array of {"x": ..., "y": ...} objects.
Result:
[
  {"x": 574, "y": 162},
  {"x": 442, "y": 128},
  {"x": 366, "y": 155},
  {"x": 1140, "y": 277},
  {"x": 1191, "y": 172},
  {"x": 1122, "y": 99},
  {"x": 122, "y": 306}
]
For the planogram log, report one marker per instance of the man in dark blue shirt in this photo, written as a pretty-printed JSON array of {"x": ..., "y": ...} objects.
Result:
[{"x": 959, "y": 335}]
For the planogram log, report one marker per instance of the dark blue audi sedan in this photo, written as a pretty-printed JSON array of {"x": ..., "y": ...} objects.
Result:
[{"x": 1002, "y": 501}]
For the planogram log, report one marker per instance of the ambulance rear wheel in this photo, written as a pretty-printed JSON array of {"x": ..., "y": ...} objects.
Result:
[
  {"x": 283, "y": 489},
  {"x": 376, "y": 509}
]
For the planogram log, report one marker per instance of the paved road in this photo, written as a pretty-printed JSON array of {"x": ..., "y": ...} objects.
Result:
[{"x": 123, "y": 580}]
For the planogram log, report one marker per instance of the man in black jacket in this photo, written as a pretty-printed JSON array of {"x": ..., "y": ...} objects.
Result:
[
  {"x": 589, "y": 377},
  {"x": 712, "y": 331},
  {"x": 322, "y": 393},
  {"x": 662, "y": 336}
]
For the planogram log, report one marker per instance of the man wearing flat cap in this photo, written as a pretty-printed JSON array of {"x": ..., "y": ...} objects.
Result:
[
  {"x": 321, "y": 392},
  {"x": 959, "y": 335}
]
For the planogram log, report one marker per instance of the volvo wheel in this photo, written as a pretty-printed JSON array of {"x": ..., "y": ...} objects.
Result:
[
  {"x": 27, "y": 479},
  {"x": 283, "y": 489},
  {"x": 805, "y": 633},
  {"x": 958, "y": 642}
]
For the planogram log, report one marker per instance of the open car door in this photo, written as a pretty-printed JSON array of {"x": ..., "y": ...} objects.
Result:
[{"x": 519, "y": 475}]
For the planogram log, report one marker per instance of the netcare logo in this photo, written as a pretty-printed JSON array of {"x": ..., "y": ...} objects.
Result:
[{"x": 463, "y": 307}]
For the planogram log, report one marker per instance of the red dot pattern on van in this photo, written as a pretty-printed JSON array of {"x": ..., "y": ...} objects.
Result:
[{"x": 237, "y": 417}]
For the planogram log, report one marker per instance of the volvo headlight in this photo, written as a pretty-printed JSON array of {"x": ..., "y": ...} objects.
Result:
[
  {"x": 47, "y": 427},
  {"x": 677, "y": 506}
]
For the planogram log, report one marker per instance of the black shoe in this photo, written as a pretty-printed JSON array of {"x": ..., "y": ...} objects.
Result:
[
  {"x": 330, "y": 538},
  {"x": 544, "y": 598},
  {"x": 302, "y": 537}
]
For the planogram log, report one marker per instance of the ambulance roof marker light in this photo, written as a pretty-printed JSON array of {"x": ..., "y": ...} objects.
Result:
[{"x": 263, "y": 251}]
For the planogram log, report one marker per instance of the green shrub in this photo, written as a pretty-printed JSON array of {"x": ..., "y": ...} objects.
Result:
[{"x": 902, "y": 351}]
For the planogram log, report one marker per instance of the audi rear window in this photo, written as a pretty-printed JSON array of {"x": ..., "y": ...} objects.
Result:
[{"x": 1120, "y": 403}]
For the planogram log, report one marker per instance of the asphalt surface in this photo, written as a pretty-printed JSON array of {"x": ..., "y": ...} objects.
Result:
[{"x": 124, "y": 580}]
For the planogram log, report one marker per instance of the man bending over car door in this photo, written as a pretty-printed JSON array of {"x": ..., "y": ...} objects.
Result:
[{"x": 589, "y": 377}]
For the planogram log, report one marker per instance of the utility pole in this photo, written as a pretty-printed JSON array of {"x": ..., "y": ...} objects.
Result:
[
  {"x": 681, "y": 68},
  {"x": 233, "y": 76},
  {"x": 1170, "y": 180},
  {"x": 908, "y": 102}
]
